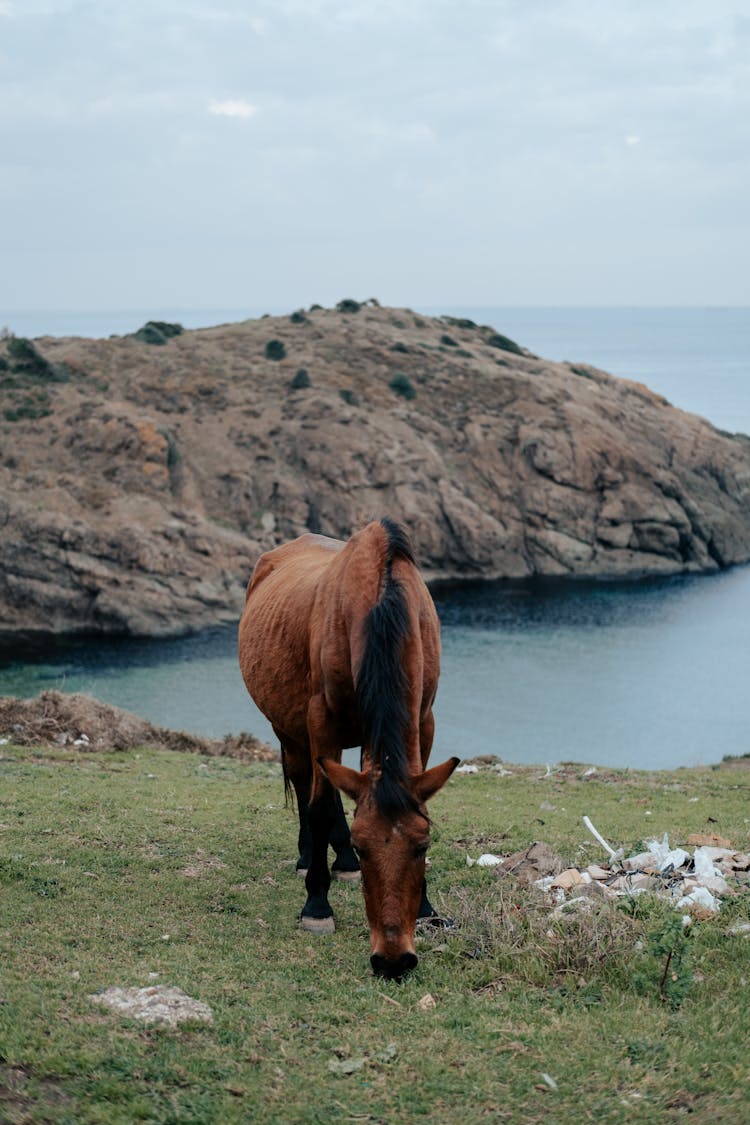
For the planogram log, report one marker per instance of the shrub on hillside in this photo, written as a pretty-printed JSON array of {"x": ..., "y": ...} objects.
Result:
[
  {"x": 275, "y": 349},
  {"x": 448, "y": 341},
  {"x": 496, "y": 340},
  {"x": 158, "y": 332},
  {"x": 26, "y": 360},
  {"x": 298, "y": 317},
  {"x": 300, "y": 380},
  {"x": 402, "y": 385},
  {"x": 348, "y": 306}
]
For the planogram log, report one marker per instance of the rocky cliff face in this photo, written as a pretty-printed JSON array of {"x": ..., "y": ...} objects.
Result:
[{"x": 139, "y": 483}]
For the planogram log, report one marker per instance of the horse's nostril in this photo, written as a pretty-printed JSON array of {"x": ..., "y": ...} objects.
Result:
[{"x": 393, "y": 970}]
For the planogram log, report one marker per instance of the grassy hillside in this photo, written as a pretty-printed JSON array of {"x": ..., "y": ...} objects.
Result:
[{"x": 151, "y": 867}]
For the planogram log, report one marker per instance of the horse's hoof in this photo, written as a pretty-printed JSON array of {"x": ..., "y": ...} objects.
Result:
[
  {"x": 347, "y": 876},
  {"x": 317, "y": 925}
]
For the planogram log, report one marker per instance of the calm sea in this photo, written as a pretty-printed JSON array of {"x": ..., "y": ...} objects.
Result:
[{"x": 649, "y": 674}]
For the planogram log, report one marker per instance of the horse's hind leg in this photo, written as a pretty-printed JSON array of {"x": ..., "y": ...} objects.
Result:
[
  {"x": 346, "y": 864},
  {"x": 298, "y": 772},
  {"x": 322, "y": 817}
]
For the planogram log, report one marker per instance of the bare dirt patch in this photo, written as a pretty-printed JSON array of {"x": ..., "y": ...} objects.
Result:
[{"x": 56, "y": 719}]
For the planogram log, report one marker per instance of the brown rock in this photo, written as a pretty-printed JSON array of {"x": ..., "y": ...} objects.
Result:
[
  {"x": 139, "y": 502},
  {"x": 535, "y": 862},
  {"x": 572, "y": 877},
  {"x": 707, "y": 840}
]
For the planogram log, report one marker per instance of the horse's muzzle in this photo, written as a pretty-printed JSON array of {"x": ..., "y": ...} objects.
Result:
[{"x": 393, "y": 970}]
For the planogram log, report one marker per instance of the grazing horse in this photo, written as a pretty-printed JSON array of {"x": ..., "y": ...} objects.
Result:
[{"x": 339, "y": 646}]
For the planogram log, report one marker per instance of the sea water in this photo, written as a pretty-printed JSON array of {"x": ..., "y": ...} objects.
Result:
[{"x": 650, "y": 674}]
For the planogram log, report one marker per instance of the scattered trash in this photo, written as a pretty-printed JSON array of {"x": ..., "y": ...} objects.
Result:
[
  {"x": 693, "y": 883},
  {"x": 549, "y": 1080},
  {"x": 597, "y": 836},
  {"x": 426, "y": 1002},
  {"x": 160, "y": 1005}
]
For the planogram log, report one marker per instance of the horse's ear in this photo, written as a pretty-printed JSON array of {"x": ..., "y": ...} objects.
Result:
[
  {"x": 349, "y": 781},
  {"x": 429, "y": 782}
]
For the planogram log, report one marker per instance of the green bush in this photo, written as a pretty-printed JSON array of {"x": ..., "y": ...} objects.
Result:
[
  {"x": 448, "y": 341},
  {"x": 459, "y": 321},
  {"x": 150, "y": 334},
  {"x": 399, "y": 347},
  {"x": 298, "y": 317},
  {"x": 29, "y": 362},
  {"x": 349, "y": 397},
  {"x": 496, "y": 340},
  {"x": 275, "y": 350},
  {"x": 315, "y": 308},
  {"x": 3, "y": 363},
  {"x": 348, "y": 306},
  {"x": 402, "y": 385},
  {"x": 166, "y": 328},
  {"x": 300, "y": 380}
]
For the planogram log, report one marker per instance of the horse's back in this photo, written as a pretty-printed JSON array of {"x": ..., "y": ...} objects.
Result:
[{"x": 274, "y": 629}]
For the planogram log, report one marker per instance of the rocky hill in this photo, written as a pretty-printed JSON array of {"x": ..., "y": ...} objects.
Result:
[{"x": 141, "y": 476}]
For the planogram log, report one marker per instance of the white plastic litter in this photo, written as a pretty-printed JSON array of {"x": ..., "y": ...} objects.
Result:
[
  {"x": 702, "y": 897},
  {"x": 704, "y": 864},
  {"x": 488, "y": 860}
]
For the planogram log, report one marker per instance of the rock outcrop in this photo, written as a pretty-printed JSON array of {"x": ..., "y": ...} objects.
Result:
[{"x": 139, "y": 483}]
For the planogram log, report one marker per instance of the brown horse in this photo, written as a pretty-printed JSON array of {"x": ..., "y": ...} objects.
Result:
[{"x": 339, "y": 646}]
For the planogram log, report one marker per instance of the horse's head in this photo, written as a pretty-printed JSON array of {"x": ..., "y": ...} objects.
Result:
[{"x": 392, "y": 846}]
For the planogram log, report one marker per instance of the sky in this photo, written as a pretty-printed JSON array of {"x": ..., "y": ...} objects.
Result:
[{"x": 275, "y": 154}]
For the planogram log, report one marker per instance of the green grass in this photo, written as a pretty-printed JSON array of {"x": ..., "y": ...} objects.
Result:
[{"x": 93, "y": 893}]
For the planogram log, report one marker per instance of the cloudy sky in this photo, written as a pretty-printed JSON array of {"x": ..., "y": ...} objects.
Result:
[{"x": 272, "y": 154}]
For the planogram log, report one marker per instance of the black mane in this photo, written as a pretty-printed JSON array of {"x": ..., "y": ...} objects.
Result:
[{"x": 382, "y": 685}]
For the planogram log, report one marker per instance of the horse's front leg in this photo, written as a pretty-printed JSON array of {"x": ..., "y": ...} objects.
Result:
[{"x": 427, "y": 911}]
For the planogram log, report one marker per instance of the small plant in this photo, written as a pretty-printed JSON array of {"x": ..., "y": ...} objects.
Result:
[
  {"x": 399, "y": 347},
  {"x": 275, "y": 350},
  {"x": 348, "y": 306},
  {"x": 315, "y": 308},
  {"x": 402, "y": 385},
  {"x": 496, "y": 340},
  {"x": 3, "y": 363},
  {"x": 448, "y": 342},
  {"x": 298, "y": 317},
  {"x": 349, "y": 397},
  {"x": 300, "y": 380},
  {"x": 668, "y": 953},
  {"x": 459, "y": 321}
]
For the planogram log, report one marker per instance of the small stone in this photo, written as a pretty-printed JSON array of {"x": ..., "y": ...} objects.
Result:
[
  {"x": 567, "y": 879},
  {"x": 161, "y": 1005},
  {"x": 707, "y": 839},
  {"x": 597, "y": 872},
  {"x": 426, "y": 1002}
]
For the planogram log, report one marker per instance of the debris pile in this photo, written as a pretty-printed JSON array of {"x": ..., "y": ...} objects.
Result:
[{"x": 695, "y": 883}]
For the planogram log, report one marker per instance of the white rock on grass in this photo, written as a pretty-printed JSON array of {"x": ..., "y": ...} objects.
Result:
[{"x": 160, "y": 1004}]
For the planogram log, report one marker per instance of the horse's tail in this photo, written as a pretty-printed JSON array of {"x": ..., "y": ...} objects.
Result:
[{"x": 382, "y": 685}]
